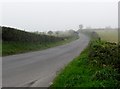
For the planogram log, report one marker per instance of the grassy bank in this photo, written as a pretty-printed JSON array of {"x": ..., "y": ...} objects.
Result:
[
  {"x": 9, "y": 48},
  {"x": 16, "y": 41},
  {"x": 97, "y": 66}
]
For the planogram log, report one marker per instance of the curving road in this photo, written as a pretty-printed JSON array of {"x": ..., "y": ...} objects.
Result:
[{"x": 38, "y": 69}]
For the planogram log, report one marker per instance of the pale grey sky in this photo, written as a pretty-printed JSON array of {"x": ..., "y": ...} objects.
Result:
[{"x": 44, "y": 16}]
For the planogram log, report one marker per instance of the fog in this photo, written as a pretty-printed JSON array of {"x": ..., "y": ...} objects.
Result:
[{"x": 45, "y": 16}]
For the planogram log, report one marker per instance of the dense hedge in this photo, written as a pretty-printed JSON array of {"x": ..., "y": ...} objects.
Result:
[
  {"x": 105, "y": 53},
  {"x": 12, "y": 34}
]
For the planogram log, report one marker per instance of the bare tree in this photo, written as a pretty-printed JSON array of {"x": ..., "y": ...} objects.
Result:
[{"x": 80, "y": 26}]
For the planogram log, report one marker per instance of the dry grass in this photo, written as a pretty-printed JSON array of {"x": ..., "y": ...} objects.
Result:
[{"x": 110, "y": 36}]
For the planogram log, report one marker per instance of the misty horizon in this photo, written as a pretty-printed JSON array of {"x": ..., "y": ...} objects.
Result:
[{"x": 60, "y": 16}]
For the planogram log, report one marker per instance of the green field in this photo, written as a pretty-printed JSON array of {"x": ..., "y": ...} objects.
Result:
[
  {"x": 97, "y": 66},
  {"x": 108, "y": 35}
]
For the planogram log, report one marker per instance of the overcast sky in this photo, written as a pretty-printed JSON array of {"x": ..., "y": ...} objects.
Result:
[{"x": 44, "y": 16}]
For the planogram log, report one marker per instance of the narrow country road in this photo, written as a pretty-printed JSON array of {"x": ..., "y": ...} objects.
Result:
[{"x": 38, "y": 69}]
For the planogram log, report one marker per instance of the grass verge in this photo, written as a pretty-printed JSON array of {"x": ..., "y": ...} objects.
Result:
[
  {"x": 93, "y": 68},
  {"x": 9, "y": 48}
]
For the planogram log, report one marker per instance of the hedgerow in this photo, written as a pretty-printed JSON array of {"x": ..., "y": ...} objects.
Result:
[{"x": 12, "y": 34}]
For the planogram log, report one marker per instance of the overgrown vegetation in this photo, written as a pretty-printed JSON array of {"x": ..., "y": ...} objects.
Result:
[
  {"x": 97, "y": 66},
  {"x": 18, "y": 41}
]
